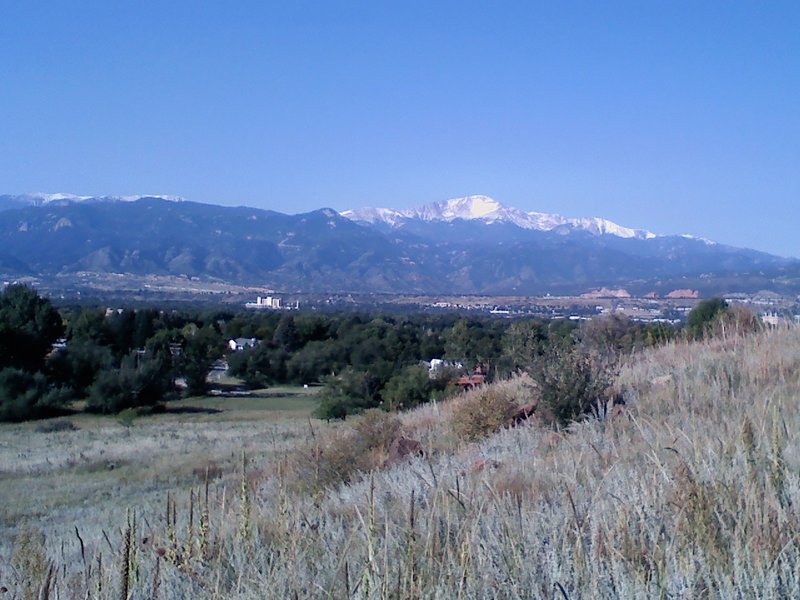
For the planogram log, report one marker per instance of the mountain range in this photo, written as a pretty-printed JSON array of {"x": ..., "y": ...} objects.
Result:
[
  {"x": 489, "y": 210},
  {"x": 472, "y": 245}
]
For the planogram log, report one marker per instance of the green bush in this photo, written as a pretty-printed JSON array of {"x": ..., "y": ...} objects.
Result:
[
  {"x": 409, "y": 388},
  {"x": 702, "y": 317},
  {"x": 78, "y": 365},
  {"x": 130, "y": 386},
  {"x": 26, "y": 396},
  {"x": 571, "y": 381},
  {"x": 349, "y": 392}
]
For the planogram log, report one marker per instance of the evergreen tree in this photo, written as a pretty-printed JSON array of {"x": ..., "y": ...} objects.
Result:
[{"x": 28, "y": 327}]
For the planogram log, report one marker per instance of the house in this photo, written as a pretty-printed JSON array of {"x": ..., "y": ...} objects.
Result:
[
  {"x": 468, "y": 382},
  {"x": 239, "y": 344},
  {"x": 436, "y": 365}
]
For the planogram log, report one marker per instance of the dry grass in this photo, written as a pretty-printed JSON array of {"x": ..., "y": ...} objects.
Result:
[
  {"x": 486, "y": 409},
  {"x": 692, "y": 493}
]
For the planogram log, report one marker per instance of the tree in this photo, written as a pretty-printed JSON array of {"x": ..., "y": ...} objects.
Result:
[
  {"x": 90, "y": 326},
  {"x": 78, "y": 365},
  {"x": 473, "y": 342},
  {"x": 285, "y": 336},
  {"x": 121, "y": 325},
  {"x": 144, "y": 327},
  {"x": 457, "y": 342},
  {"x": 202, "y": 346},
  {"x": 140, "y": 381},
  {"x": 409, "y": 388},
  {"x": 702, "y": 317},
  {"x": 259, "y": 366},
  {"x": 523, "y": 343},
  {"x": 28, "y": 327},
  {"x": 315, "y": 360},
  {"x": 350, "y": 391}
]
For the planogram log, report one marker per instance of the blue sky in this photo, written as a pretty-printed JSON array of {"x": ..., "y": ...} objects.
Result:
[{"x": 678, "y": 117}]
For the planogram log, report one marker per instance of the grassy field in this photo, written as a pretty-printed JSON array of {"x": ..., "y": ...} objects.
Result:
[
  {"x": 88, "y": 477},
  {"x": 692, "y": 492}
]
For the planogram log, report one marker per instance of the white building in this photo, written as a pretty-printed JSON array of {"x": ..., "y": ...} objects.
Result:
[{"x": 268, "y": 302}]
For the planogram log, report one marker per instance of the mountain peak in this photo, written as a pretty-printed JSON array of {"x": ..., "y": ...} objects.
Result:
[
  {"x": 467, "y": 208},
  {"x": 489, "y": 210}
]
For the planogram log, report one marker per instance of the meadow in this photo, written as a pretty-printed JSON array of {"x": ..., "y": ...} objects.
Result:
[
  {"x": 691, "y": 491},
  {"x": 90, "y": 469}
]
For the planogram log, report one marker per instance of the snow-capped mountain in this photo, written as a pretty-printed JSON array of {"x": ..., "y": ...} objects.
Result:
[
  {"x": 489, "y": 210},
  {"x": 61, "y": 199},
  {"x": 470, "y": 245}
]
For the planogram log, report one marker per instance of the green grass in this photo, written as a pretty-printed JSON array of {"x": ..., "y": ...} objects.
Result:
[{"x": 284, "y": 401}]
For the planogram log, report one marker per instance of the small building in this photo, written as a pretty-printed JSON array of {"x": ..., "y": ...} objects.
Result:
[
  {"x": 241, "y": 343},
  {"x": 468, "y": 382},
  {"x": 437, "y": 365}
]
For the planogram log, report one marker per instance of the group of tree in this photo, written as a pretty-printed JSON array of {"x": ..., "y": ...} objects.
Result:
[
  {"x": 368, "y": 361},
  {"x": 123, "y": 358},
  {"x": 111, "y": 359}
]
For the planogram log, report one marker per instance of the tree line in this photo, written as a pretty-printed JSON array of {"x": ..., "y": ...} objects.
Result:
[{"x": 115, "y": 359}]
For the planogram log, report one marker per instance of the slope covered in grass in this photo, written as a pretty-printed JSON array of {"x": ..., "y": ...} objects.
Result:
[{"x": 692, "y": 492}]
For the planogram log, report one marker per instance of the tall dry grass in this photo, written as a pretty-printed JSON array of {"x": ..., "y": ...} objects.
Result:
[{"x": 692, "y": 493}]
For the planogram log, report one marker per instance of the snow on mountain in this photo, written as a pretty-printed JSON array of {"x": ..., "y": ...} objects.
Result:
[
  {"x": 489, "y": 210},
  {"x": 374, "y": 215},
  {"x": 706, "y": 241},
  {"x": 40, "y": 198},
  {"x": 48, "y": 198},
  {"x": 167, "y": 197}
]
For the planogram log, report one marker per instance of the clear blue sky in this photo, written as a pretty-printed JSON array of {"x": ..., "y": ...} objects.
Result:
[{"x": 678, "y": 117}]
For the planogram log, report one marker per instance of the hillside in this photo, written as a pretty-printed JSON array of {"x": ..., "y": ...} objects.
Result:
[
  {"x": 691, "y": 492},
  {"x": 440, "y": 249}
]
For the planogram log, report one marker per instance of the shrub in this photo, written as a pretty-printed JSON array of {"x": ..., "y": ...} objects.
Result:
[
  {"x": 736, "y": 320},
  {"x": 376, "y": 430},
  {"x": 482, "y": 412},
  {"x": 571, "y": 381},
  {"x": 27, "y": 396},
  {"x": 361, "y": 449},
  {"x": 331, "y": 408},
  {"x": 129, "y": 386},
  {"x": 56, "y": 425}
]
